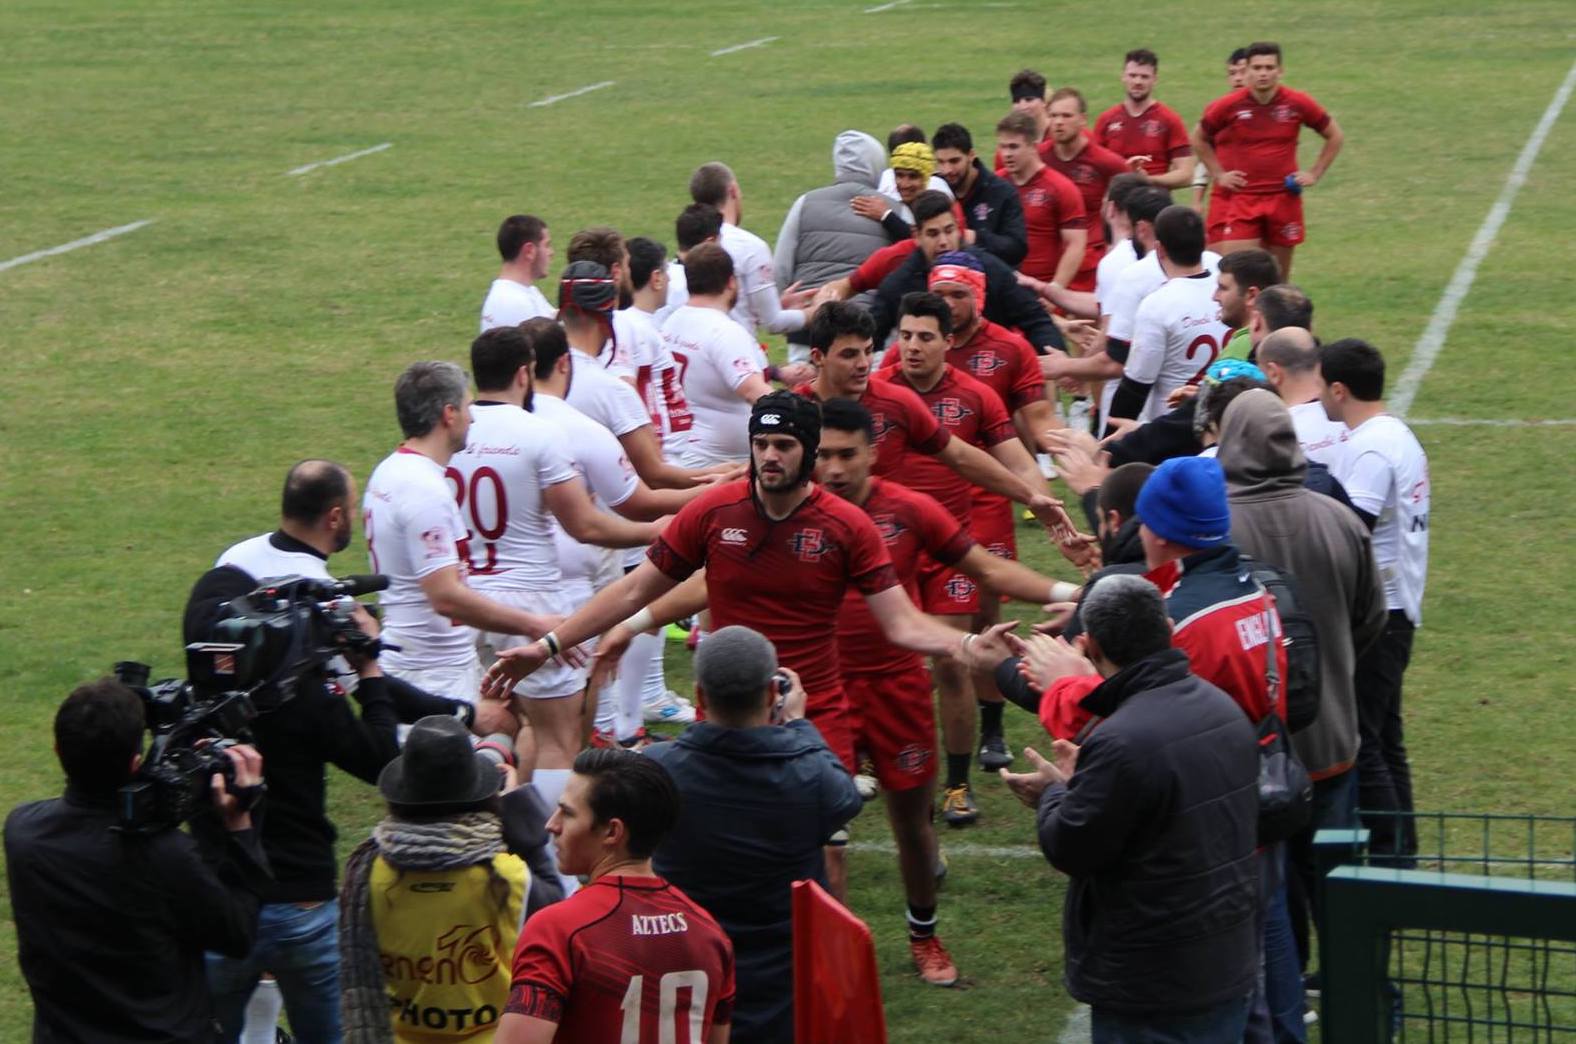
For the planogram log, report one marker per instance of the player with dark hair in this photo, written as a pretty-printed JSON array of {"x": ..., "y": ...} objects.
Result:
[
  {"x": 1028, "y": 91},
  {"x": 1144, "y": 130},
  {"x": 991, "y": 207},
  {"x": 1053, "y": 209},
  {"x": 628, "y": 957},
  {"x": 526, "y": 247},
  {"x": 1248, "y": 140},
  {"x": 1239, "y": 280}
]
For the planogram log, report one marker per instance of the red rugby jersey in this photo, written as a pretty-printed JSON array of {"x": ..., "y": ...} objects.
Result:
[
  {"x": 1090, "y": 170},
  {"x": 967, "y": 409},
  {"x": 1157, "y": 132},
  {"x": 784, "y": 578},
  {"x": 625, "y": 958},
  {"x": 1051, "y": 203},
  {"x": 998, "y": 358},
  {"x": 905, "y": 427},
  {"x": 911, "y": 524},
  {"x": 1261, "y": 140}
]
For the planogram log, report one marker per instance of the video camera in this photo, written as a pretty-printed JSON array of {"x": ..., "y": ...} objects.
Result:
[{"x": 261, "y": 645}]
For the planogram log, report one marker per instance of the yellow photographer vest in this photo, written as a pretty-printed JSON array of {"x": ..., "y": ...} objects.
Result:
[{"x": 446, "y": 939}]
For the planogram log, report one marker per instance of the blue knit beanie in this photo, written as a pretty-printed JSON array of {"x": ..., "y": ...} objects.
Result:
[{"x": 1184, "y": 501}]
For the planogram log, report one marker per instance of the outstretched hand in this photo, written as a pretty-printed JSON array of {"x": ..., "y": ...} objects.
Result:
[
  {"x": 510, "y": 666},
  {"x": 1028, "y": 786}
]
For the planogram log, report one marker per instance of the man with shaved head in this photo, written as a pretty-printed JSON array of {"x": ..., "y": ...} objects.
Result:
[{"x": 1289, "y": 358}]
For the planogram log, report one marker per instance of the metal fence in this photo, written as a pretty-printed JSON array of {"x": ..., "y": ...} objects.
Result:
[{"x": 1473, "y": 939}]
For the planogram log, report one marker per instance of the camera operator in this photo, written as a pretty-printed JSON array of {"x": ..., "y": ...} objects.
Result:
[
  {"x": 297, "y": 937},
  {"x": 111, "y": 926}
]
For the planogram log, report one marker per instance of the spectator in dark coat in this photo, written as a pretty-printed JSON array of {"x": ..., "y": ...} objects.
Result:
[
  {"x": 1154, "y": 819},
  {"x": 761, "y": 794}
]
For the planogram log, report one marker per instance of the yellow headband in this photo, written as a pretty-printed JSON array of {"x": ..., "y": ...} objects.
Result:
[{"x": 915, "y": 156}]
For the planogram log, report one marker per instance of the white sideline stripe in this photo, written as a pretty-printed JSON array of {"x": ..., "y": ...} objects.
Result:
[
  {"x": 337, "y": 160},
  {"x": 577, "y": 92},
  {"x": 983, "y": 851},
  {"x": 1491, "y": 422},
  {"x": 1077, "y": 1029},
  {"x": 1433, "y": 340},
  {"x": 762, "y": 42},
  {"x": 76, "y": 244},
  {"x": 886, "y": 7}
]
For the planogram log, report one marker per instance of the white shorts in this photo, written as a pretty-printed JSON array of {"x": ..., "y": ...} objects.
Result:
[
  {"x": 553, "y": 680},
  {"x": 459, "y": 682}
]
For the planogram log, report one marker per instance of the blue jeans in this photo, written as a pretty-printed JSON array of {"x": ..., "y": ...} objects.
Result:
[
  {"x": 1221, "y": 1024},
  {"x": 1275, "y": 1016},
  {"x": 300, "y": 948}
]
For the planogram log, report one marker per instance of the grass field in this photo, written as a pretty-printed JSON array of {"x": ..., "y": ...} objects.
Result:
[{"x": 156, "y": 386}]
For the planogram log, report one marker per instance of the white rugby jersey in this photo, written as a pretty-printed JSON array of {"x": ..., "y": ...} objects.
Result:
[
  {"x": 1177, "y": 333},
  {"x": 1112, "y": 264},
  {"x": 714, "y": 357},
  {"x": 260, "y": 559},
  {"x": 1323, "y": 441},
  {"x": 759, "y": 305},
  {"x": 510, "y": 458},
  {"x": 509, "y": 304},
  {"x": 597, "y": 457},
  {"x": 657, "y": 382},
  {"x": 603, "y": 397},
  {"x": 678, "y": 291},
  {"x": 1136, "y": 282},
  {"x": 1385, "y": 472},
  {"x": 413, "y": 527}
]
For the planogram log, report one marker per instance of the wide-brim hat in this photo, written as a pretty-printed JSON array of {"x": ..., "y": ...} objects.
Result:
[{"x": 439, "y": 766}]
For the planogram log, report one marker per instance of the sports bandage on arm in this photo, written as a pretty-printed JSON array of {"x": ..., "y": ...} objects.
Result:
[{"x": 640, "y": 622}]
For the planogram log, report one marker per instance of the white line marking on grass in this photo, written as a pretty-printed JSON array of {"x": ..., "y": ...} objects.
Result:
[
  {"x": 1077, "y": 1029},
  {"x": 554, "y": 98},
  {"x": 337, "y": 160},
  {"x": 75, "y": 244},
  {"x": 1433, "y": 340},
  {"x": 1492, "y": 422},
  {"x": 762, "y": 42},
  {"x": 886, "y": 7},
  {"x": 964, "y": 850}
]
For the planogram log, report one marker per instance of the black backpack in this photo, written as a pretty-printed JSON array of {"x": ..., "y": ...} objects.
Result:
[{"x": 1304, "y": 675}]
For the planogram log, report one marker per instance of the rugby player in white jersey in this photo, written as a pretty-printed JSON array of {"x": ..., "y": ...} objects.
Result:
[
  {"x": 759, "y": 305},
  {"x": 417, "y": 538},
  {"x": 526, "y": 246},
  {"x": 1385, "y": 472},
  {"x": 1177, "y": 332},
  {"x": 1289, "y": 358}
]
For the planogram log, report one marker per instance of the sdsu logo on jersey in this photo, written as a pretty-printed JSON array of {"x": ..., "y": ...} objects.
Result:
[
  {"x": 1036, "y": 198},
  {"x": 1284, "y": 114},
  {"x": 1151, "y": 128},
  {"x": 959, "y": 588},
  {"x": 808, "y": 545},
  {"x": 950, "y": 412},
  {"x": 880, "y": 425},
  {"x": 983, "y": 364},
  {"x": 888, "y": 526},
  {"x": 982, "y": 212}
]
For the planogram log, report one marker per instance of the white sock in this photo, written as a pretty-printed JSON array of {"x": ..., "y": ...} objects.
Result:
[
  {"x": 633, "y": 673},
  {"x": 656, "y": 676},
  {"x": 262, "y": 1014},
  {"x": 606, "y": 708},
  {"x": 550, "y": 783}
]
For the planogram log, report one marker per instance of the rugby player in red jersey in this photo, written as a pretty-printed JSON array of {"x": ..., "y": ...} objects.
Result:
[
  {"x": 628, "y": 956},
  {"x": 889, "y": 687},
  {"x": 1248, "y": 140},
  {"x": 1090, "y": 167},
  {"x": 778, "y": 553},
  {"x": 1053, "y": 211},
  {"x": 1147, "y": 132}
]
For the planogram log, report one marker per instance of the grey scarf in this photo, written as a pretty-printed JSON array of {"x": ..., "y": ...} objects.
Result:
[{"x": 448, "y": 844}]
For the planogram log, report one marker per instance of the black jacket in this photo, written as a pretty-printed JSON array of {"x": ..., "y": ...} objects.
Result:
[
  {"x": 111, "y": 928},
  {"x": 1006, "y": 303},
  {"x": 993, "y": 210},
  {"x": 1156, "y": 829},
  {"x": 758, "y": 805}
]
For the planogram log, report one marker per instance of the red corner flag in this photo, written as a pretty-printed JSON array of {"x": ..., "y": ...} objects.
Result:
[{"x": 836, "y": 989}]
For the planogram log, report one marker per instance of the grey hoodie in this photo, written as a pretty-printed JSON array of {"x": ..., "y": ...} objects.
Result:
[
  {"x": 1318, "y": 541},
  {"x": 822, "y": 239}
]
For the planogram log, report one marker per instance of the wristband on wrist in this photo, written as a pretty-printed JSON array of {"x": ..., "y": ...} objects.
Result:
[
  {"x": 773, "y": 374},
  {"x": 963, "y": 646},
  {"x": 640, "y": 622},
  {"x": 551, "y": 641}
]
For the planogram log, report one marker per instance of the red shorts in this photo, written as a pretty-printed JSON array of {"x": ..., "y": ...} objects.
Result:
[
  {"x": 1215, "y": 216},
  {"x": 894, "y": 722},
  {"x": 943, "y": 591},
  {"x": 831, "y": 718},
  {"x": 1274, "y": 219},
  {"x": 991, "y": 524}
]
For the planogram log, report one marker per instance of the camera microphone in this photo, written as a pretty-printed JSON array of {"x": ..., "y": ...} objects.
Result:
[{"x": 361, "y": 584}]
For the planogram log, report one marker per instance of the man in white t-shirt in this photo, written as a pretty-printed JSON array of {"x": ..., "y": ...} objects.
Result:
[
  {"x": 656, "y": 371},
  {"x": 526, "y": 247},
  {"x": 722, "y": 368},
  {"x": 1385, "y": 472},
  {"x": 1290, "y": 361},
  {"x": 418, "y": 538},
  {"x": 759, "y": 305},
  {"x": 1177, "y": 332}
]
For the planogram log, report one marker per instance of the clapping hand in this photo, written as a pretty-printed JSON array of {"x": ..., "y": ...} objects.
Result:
[
  {"x": 1028, "y": 786},
  {"x": 1044, "y": 659}
]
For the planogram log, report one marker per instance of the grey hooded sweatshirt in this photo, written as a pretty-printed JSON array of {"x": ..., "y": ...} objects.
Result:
[
  {"x": 1322, "y": 544},
  {"x": 822, "y": 239}
]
